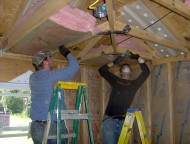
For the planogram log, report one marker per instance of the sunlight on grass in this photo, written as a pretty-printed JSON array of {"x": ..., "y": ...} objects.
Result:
[
  {"x": 16, "y": 140},
  {"x": 16, "y": 120}
]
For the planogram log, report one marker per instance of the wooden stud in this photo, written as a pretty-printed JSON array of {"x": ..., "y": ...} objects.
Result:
[
  {"x": 171, "y": 102},
  {"x": 149, "y": 111},
  {"x": 83, "y": 126}
]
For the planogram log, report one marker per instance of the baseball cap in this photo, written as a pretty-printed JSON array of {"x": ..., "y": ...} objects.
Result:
[{"x": 40, "y": 56}]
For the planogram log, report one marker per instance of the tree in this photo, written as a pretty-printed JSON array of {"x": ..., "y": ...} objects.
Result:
[{"x": 15, "y": 105}]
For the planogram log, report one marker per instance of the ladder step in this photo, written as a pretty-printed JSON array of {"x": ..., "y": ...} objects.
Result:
[
  {"x": 71, "y": 135},
  {"x": 74, "y": 116},
  {"x": 69, "y": 112}
]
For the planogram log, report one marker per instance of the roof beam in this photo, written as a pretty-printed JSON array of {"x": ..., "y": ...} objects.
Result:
[
  {"x": 150, "y": 37},
  {"x": 177, "y": 6},
  {"x": 41, "y": 14}
]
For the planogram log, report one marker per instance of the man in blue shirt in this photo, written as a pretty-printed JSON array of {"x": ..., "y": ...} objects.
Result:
[{"x": 42, "y": 86}]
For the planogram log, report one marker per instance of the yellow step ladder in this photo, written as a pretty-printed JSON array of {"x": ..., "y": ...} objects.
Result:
[
  {"x": 133, "y": 113},
  {"x": 68, "y": 114}
]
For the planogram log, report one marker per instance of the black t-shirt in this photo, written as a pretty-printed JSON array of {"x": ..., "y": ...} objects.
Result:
[{"x": 123, "y": 91}]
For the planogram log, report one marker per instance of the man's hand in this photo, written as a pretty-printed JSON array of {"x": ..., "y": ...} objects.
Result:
[
  {"x": 119, "y": 59},
  {"x": 134, "y": 56},
  {"x": 63, "y": 50}
]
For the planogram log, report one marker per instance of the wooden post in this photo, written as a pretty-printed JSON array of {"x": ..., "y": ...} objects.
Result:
[
  {"x": 149, "y": 112},
  {"x": 171, "y": 107},
  {"x": 102, "y": 97},
  {"x": 84, "y": 129}
]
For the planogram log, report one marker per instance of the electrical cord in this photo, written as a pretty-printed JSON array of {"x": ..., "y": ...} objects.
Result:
[{"x": 91, "y": 6}]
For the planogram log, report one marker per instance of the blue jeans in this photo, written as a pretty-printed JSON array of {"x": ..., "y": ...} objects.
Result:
[
  {"x": 111, "y": 129},
  {"x": 37, "y": 132}
]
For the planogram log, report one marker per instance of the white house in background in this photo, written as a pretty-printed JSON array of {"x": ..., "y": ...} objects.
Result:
[{"x": 23, "y": 78}]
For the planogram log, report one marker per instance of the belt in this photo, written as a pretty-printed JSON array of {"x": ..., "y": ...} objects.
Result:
[
  {"x": 119, "y": 117},
  {"x": 43, "y": 121},
  {"x": 40, "y": 121}
]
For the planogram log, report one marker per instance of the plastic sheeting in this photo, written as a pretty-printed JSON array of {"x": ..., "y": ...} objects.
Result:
[
  {"x": 160, "y": 104},
  {"x": 182, "y": 102}
]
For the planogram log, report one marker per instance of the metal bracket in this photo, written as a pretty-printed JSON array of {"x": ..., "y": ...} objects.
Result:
[
  {"x": 126, "y": 54},
  {"x": 125, "y": 30}
]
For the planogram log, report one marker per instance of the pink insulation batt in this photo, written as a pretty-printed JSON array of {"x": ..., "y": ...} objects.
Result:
[
  {"x": 187, "y": 2},
  {"x": 74, "y": 19}
]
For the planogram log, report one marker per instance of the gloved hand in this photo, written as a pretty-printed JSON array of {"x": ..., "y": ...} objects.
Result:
[
  {"x": 134, "y": 56},
  {"x": 119, "y": 59},
  {"x": 63, "y": 50}
]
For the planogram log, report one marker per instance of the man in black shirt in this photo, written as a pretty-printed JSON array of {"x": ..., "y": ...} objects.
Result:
[{"x": 122, "y": 94}]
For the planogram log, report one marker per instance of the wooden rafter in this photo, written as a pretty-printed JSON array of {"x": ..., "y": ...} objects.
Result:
[
  {"x": 42, "y": 13},
  {"x": 89, "y": 46},
  {"x": 177, "y": 6},
  {"x": 111, "y": 18},
  {"x": 146, "y": 47},
  {"x": 10, "y": 10},
  {"x": 150, "y": 37},
  {"x": 19, "y": 11}
]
